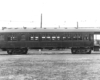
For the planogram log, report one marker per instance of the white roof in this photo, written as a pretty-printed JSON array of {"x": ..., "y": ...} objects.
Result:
[{"x": 50, "y": 30}]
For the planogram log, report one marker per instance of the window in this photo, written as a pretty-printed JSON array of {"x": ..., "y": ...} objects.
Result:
[
  {"x": 36, "y": 38},
  {"x": 66, "y": 37},
  {"x": 53, "y": 38},
  {"x": 9, "y": 38},
  {"x": 1, "y": 37},
  {"x": 91, "y": 37},
  {"x": 58, "y": 37},
  {"x": 48, "y": 38},
  {"x": 43, "y": 38},
  {"x": 31, "y": 38},
  {"x": 85, "y": 37},
  {"x": 23, "y": 37},
  {"x": 79, "y": 37},
  {"x": 74, "y": 37},
  {"x": 14, "y": 38}
]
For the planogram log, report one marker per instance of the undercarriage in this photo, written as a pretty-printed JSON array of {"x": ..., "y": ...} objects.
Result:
[
  {"x": 17, "y": 51},
  {"x": 81, "y": 50}
]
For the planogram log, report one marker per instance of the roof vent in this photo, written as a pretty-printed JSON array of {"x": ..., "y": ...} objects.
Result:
[
  {"x": 55, "y": 28},
  {"x": 24, "y": 27},
  {"x": 16, "y": 28},
  {"x": 3, "y": 28},
  {"x": 9, "y": 28},
  {"x": 34, "y": 28},
  {"x": 44, "y": 28}
]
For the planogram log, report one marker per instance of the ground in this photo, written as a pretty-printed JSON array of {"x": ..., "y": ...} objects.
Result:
[{"x": 50, "y": 67}]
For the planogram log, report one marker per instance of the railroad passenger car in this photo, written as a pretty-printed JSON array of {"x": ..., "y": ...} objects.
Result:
[{"x": 20, "y": 40}]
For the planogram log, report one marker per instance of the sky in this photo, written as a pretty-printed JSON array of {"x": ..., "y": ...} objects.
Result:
[{"x": 55, "y": 13}]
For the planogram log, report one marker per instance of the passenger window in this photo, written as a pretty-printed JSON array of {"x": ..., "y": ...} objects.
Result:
[
  {"x": 74, "y": 37},
  {"x": 43, "y": 38},
  {"x": 48, "y": 38},
  {"x": 86, "y": 37},
  {"x": 36, "y": 38},
  {"x": 58, "y": 37},
  {"x": 68, "y": 37},
  {"x": 53, "y": 38},
  {"x": 1, "y": 37},
  {"x": 79, "y": 37},
  {"x": 31, "y": 38},
  {"x": 14, "y": 38},
  {"x": 91, "y": 37},
  {"x": 23, "y": 37},
  {"x": 64, "y": 37},
  {"x": 9, "y": 38}
]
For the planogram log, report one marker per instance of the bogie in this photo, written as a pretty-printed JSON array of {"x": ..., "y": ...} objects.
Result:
[
  {"x": 17, "y": 51},
  {"x": 10, "y": 51},
  {"x": 81, "y": 50}
]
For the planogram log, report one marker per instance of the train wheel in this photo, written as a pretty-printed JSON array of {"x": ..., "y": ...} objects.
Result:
[
  {"x": 89, "y": 52},
  {"x": 73, "y": 51},
  {"x": 17, "y": 51},
  {"x": 10, "y": 51},
  {"x": 24, "y": 51},
  {"x": 83, "y": 51}
]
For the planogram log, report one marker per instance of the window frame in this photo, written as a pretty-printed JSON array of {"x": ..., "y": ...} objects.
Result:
[
  {"x": 2, "y": 37},
  {"x": 23, "y": 37},
  {"x": 36, "y": 37}
]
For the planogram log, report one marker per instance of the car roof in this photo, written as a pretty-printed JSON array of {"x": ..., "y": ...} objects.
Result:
[{"x": 50, "y": 30}]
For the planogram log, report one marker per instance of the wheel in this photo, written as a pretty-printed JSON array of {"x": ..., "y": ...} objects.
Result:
[
  {"x": 10, "y": 51},
  {"x": 24, "y": 51},
  {"x": 20, "y": 51},
  {"x": 17, "y": 51},
  {"x": 89, "y": 52},
  {"x": 73, "y": 51}
]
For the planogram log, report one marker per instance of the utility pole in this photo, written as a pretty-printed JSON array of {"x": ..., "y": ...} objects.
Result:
[
  {"x": 77, "y": 25},
  {"x": 59, "y": 26},
  {"x": 41, "y": 21}
]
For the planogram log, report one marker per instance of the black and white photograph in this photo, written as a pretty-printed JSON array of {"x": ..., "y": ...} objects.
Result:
[{"x": 49, "y": 39}]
